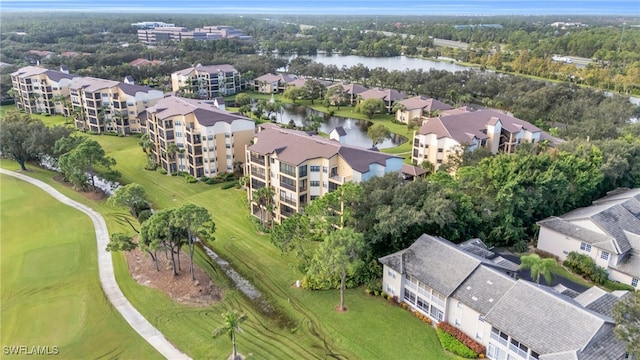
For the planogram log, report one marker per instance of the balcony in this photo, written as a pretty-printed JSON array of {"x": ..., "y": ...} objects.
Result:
[
  {"x": 257, "y": 159},
  {"x": 340, "y": 179},
  {"x": 288, "y": 186},
  {"x": 259, "y": 175},
  {"x": 289, "y": 201}
]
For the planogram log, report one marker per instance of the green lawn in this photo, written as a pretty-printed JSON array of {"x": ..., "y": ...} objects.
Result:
[
  {"x": 51, "y": 295},
  {"x": 312, "y": 329},
  {"x": 48, "y": 120}
]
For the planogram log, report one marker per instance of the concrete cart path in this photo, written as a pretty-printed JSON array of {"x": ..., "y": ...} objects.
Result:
[{"x": 107, "y": 276}]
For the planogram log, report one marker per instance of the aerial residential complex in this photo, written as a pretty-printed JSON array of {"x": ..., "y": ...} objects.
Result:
[
  {"x": 607, "y": 231},
  {"x": 513, "y": 319},
  {"x": 208, "y": 141},
  {"x": 207, "y": 82},
  {"x": 419, "y": 107},
  {"x": 302, "y": 167},
  {"x": 440, "y": 137}
]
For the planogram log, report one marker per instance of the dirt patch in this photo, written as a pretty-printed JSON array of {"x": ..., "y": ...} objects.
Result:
[
  {"x": 180, "y": 288},
  {"x": 95, "y": 195}
]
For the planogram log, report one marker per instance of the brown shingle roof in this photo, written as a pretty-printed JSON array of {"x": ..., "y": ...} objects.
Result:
[
  {"x": 206, "y": 113},
  {"x": 384, "y": 94},
  {"x": 270, "y": 78},
  {"x": 352, "y": 89},
  {"x": 210, "y": 69},
  {"x": 464, "y": 126},
  {"x": 425, "y": 103}
]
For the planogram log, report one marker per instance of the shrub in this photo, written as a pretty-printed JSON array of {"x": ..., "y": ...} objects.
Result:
[
  {"x": 384, "y": 295},
  {"x": 462, "y": 337},
  {"x": 162, "y": 171},
  {"x": 190, "y": 179},
  {"x": 393, "y": 300},
  {"x": 229, "y": 185},
  {"x": 521, "y": 246},
  {"x": 204, "y": 178},
  {"x": 450, "y": 343},
  {"x": 374, "y": 285},
  {"x": 545, "y": 254},
  {"x": 211, "y": 181},
  {"x": 174, "y": 174}
]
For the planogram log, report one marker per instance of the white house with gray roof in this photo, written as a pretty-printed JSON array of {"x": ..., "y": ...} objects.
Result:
[
  {"x": 513, "y": 319},
  {"x": 608, "y": 231}
]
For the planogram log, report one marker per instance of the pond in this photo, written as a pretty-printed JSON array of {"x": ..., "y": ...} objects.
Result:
[{"x": 356, "y": 129}]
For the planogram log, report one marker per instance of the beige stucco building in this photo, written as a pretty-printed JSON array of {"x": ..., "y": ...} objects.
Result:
[
  {"x": 207, "y": 82},
  {"x": 209, "y": 141},
  {"x": 39, "y": 90}
]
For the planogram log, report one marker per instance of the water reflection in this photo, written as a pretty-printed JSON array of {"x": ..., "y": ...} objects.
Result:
[{"x": 356, "y": 129}]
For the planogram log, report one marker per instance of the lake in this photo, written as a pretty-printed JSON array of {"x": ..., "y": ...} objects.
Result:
[
  {"x": 400, "y": 63},
  {"x": 356, "y": 129}
]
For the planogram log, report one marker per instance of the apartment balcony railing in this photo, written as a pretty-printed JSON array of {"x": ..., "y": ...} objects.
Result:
[
  {"x": 258, "y": 175},
  {"x": 257, "y": 160},
  {"x": 340, "y": 179},
  {"x": 289, "y": 201},
  {"x": 288, "y": 186}
]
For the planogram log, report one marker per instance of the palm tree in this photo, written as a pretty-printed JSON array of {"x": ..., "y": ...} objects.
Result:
[
  {"x": 538, "y": 267},
  {"x": 232, "y": 321},
  {"x": 264, "y": 198}
]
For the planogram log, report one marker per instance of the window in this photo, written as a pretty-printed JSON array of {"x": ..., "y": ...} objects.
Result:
[
  {"x": 325, "y": 185},
  {"x": 177, "y": 123},
  {"x": 325, "y": 169},
  {"x": 409, "y": 296},
  {"x": 604, "y": 255},
  {"x": 288, "y": 169},
  {"x": 459, "y": 305},
  {"x": 314, "y": 183},
  {"x": 302, "y": 171},
  {"x": 422, "y": 305},
  {"x": 634, "y": 282},
  {"x": 389, "y": 289},
  {"x": 586, "y": 247},
  {"x": 440, "y": 150},
  {"x": 314, "y": 168},
  {"x": 436, "y": 313},
  {"x": 458, "y": 323},
  {"x": 391, "y": 273}
]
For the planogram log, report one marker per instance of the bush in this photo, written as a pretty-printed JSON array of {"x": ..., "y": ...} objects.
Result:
[
  {"x": 454, "y": 345},
  {"x": 229, "y": 185},
  {"x": 204, "y": 178},
  {"x": 162, "y": 171},
  {"x": 174, "y": 174},
  {"x": 384, "y": 295},
  {"x": 374, "y": 285},
  {"x": 422, "y": 316},
  {"x": 476, "y": 347},
  {"x": 521, "y": 246},
  {"x": 190, "y": 179},
  {"x": 545, "y": 254},
  {"x": 211, "y": 181}
]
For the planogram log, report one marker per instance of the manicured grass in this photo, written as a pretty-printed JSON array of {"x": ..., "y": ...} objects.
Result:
[
  {"x": 51, "y": 295},
  {"x": 48, "y": 120},
  {"x": 306, "y": 325}
]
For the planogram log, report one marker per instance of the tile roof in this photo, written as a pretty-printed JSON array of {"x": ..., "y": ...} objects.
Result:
[
  {"x": 131, "y": 89},
  {"x": 295, "y": 147},
  {"x": 54, "y": 75},
  {"x": 206, "y": 113},
  {"x": 483, "y": 288},
  {"x": 543, "y": 320},
  {"x": 425, "y": 103},
  {"x": 340, "y": 131},
  {"x": 210, "y": 69},
  {"x": 384, "y": 94},
  {"x": 463, "y": 126},
  {"x": 352, "y": 89},
  {"x": 607, "y": 347},
  {"x": 91, "y": 84},
  {"x": 630, "y": 264},
  {"x": 413, "y": 170},
  {"x": 271, "y": 78}
]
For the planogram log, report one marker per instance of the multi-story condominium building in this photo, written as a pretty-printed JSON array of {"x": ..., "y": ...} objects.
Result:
[
  {"x": 207, "y": 82},
  {"x": 302, "y": 167},
  {"x": 442, "y": 136},
  {"x": 39, "y": 90},
  {"x": 101, "y": 105},
  {"x": 419, "y": 106},
  {"x": 272, "y": 83},
  {"x": 607, "y": 231},
  {"x": 513, "y": 319},
  {"x": 206, "y": 141},
  {"x": 389, "y": 96}
]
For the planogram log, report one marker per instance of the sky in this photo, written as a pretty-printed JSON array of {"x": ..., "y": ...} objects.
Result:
[{"x": 351, "y": 7}]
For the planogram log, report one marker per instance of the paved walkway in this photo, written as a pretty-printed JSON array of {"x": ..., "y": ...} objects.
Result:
[{"x": 107, "y": 276}]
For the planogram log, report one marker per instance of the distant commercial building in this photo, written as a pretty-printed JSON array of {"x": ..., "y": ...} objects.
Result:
[
  {"x": 153, "y": 36},
  {"x": 208, "y": 140},
  {"x": 151, "y": 25},
  {"x": 207, "y": 82}
]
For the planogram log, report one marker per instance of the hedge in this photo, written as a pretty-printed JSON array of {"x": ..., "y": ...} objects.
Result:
[
  {"x": 462, "y": 337},
  {"x": 454, "y": 345}
]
